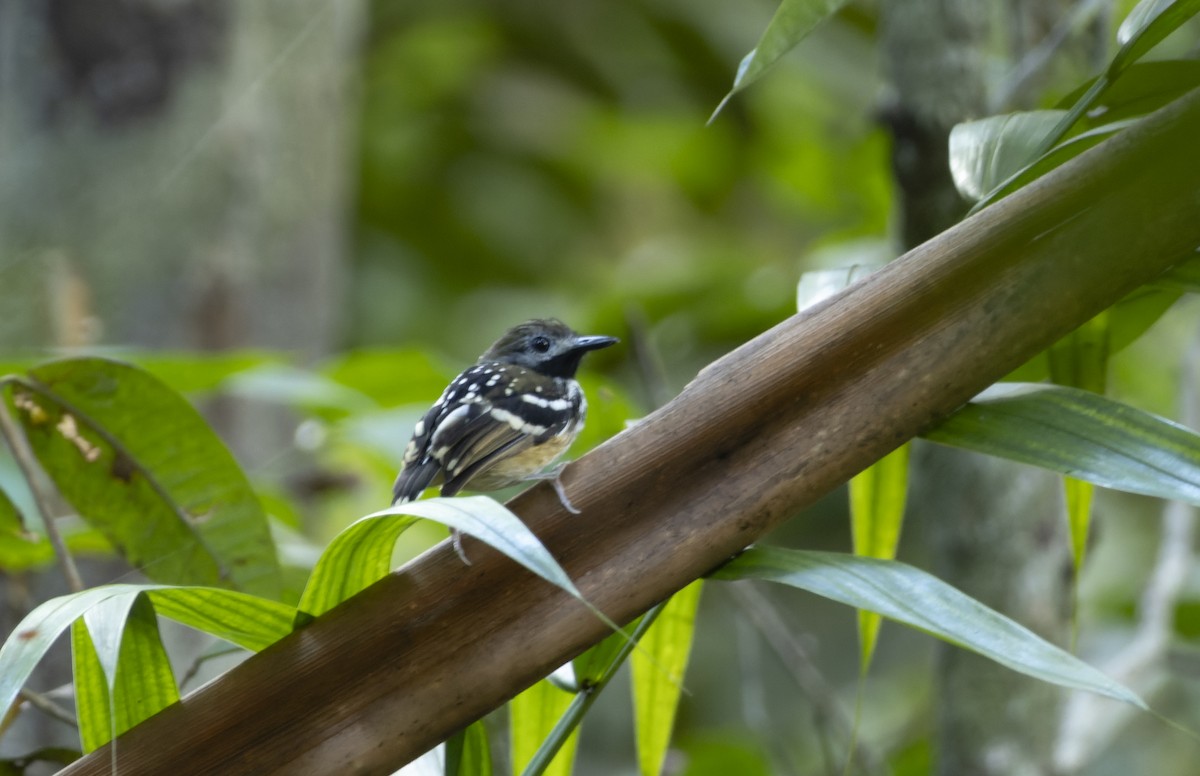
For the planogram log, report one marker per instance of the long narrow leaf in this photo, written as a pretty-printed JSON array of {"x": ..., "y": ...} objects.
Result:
[
  {"x": 908, "y": 595},
  {"x": 1082, "y": 435},
  {"x": 584, "y": 699},
  {"x": 1080, "y": 360},
  {"x": 251, "y": 622},
  {"x": 243, "y": 619},
  {"x": 659, "y": 666},
  {"x": 361, "y": 554},
  {"x": 145, "y": 683},
  {"x": 92, "y": 708},
  {"x": 1146, "y": 27},
  {"x": 792, "y": 23},
  {"x": 468, "y": 753},
  {"x": 1143, "y": 88},
  {"x": 121, "y": 635},
  {"x": 877, "y": 498},
  {"x": 34, "y": 635},
  {"x": 532, "y": 716}
]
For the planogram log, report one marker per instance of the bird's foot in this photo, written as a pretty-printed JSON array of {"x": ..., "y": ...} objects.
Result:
[
  {"x": 456, "y": 541},
  {"x": 553, "y": 475}
]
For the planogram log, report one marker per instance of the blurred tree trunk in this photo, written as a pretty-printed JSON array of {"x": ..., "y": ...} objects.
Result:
[
  {"x": 998, "y": 529},
  {"x": 173, "y": 175}
]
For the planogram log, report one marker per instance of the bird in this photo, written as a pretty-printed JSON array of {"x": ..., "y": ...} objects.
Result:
[{"x": 504, "y": 419}]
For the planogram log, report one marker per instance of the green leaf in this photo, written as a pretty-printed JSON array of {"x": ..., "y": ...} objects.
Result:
[
  {"x": 1079, "y": 495},
  {"x": 122, "y": 636},
  {"x": 1082, "y": 435},
  {"x": 251, "y": 622},
  {"x": 1052, "y": 159},
  {"x": 1145, "y": 27},
  {"x": 910, "y": 596},
  {"x": 659, "y": 666},
  {"x": 140, "y": 464},
  {"x": 583, "y": 700},
  {"x": 468, "y": 753},
  {"x": 792, "y": 23},
  {"x": 877, "y": 498},
  {"x": 989, "y": 151},
  {"x": 1080, "y": 360},
  {"x": 34, "y": 635},
  {"x": 591, "y": 665},
  {"x": 244, "y": 619},
  {"x": 532, "y": 716},
  {"x": 1034, "y": 148},
  {"x": 1128, "y": 320},
  {"x": 92, "y": 708},
  {"x": 361, "y": 554},
  {"x": 1143, "y": 88}
]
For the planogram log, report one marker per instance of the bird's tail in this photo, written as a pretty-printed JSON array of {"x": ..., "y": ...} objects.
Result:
[{"x": 413, "y": 480}]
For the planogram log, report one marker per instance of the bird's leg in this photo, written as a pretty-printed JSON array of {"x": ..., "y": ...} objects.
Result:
[
  {"x": 553, "y": 474},
  {"x": 456, "y": 541}
]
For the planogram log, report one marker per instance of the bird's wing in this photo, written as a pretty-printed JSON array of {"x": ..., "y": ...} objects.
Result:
[
  {"x": 420, "y": 469},
  {"x": 492, "y": 431},
  {"x": 477, "y": 438}
]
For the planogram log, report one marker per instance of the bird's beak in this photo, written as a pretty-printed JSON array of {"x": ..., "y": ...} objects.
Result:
[{"x": 593, "y": 342}]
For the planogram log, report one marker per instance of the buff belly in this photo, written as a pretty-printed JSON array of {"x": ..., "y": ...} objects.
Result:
[{"x": 510, "y": 471}]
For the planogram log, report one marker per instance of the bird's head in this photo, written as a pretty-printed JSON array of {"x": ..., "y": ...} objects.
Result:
[{"x": 547, "y": 346}]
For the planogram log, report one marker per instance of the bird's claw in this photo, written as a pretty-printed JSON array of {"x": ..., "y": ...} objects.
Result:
[{"x": 553, "y": 475}]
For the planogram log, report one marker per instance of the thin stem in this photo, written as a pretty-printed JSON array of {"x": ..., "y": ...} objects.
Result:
[
  {"x": 48, "y": 707},
  {"x": 25, "y": 459},
  {"x": 586, "y": 697},
  {"x": 792, "y": 653}
]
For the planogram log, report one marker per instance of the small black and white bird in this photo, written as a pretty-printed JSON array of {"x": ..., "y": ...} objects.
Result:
[{"x": 504, "y": 420}]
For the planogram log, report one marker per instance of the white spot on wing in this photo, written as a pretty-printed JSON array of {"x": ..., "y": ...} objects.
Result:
[
  {"x": 454, "y": 418},
  {"x": 517, "y": 423},
  {"x": 558, "y": 405}
]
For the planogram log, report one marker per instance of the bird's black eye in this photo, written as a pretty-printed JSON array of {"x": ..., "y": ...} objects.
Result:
[{"x": 540, "y": 344}]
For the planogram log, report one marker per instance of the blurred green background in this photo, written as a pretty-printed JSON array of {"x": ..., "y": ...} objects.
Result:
[{"x": 310, "y": 215}]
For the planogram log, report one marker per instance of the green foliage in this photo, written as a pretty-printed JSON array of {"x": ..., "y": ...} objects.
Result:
[
  {"x": 1080, "y": 360},
  {"x": 1081, "y": 434},
  {"x": 877, "y": 499},
  {"x": 362, "y": 553},
  {"x": 142, "y": 466},
  {"x": 794, "y": 20},
  {"x": 468, "y": 753},
  {"x": 246, "y": 620},
  {"x": 1144, "y": 28},
  {"x": 910, "y": 596},
  {"x": 985, "y": 154},
  {"x": 122, "y": 675},
  {"x": 992, "y": 157},
  {"x": 659, "y": 666},
  {"x": 497, "y": 184},
  {"x": 533, "y": 716}
]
